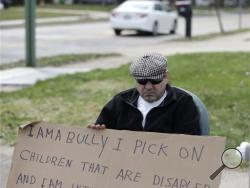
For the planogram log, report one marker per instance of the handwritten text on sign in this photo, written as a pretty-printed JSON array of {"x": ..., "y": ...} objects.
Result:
[{"x": 53, "y": 156}]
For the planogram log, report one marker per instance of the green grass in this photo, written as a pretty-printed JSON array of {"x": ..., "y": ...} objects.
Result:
[
  {"x": 212, "y": 35},
  {"x": 14, "y": 13},
  {"x": 221, "y": 80},
  {"x": 94, "y": 7},
  {"x": 59, "y": 60}
]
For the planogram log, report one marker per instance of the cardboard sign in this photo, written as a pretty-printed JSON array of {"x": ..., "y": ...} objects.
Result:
[{"x": 52, "y": 156}]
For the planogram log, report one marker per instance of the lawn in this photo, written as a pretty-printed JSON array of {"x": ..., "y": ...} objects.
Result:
[
  {"x": 13, "y": 13},
  {"x": 221, "y": 80},
  {"x": 211, "y": 35},
  {"x": 93, "y": 7}
]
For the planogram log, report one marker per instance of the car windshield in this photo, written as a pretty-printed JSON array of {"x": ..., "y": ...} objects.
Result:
[{"x": 128, "y": 5}]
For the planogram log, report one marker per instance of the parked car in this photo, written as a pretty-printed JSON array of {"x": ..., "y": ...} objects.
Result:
[{"x": 142, "y": 15}]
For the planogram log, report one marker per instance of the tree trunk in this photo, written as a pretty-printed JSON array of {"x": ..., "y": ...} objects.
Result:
[{"x": 217, "y": 9}]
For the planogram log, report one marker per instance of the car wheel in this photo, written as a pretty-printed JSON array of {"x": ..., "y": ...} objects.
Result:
[
  {"x": 155, "y": 29},
  {"x": 174, "y": 27},
  {"x": 117, "y": 31}
]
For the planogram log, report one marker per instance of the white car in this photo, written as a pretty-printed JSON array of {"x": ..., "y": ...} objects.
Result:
[{"x": 142, "y": 15}]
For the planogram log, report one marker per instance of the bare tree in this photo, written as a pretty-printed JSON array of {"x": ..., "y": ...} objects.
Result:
[
  {"x": 217, "y": 9},
  {"x": 41, "y": 2}
]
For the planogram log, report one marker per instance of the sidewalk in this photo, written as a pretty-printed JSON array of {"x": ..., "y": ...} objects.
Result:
[
  {"x": 20, "y": 77},
  {"x": 80, "y": 15}
]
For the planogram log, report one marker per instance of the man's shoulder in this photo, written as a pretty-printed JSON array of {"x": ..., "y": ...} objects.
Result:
[
  {"x": 126, "y": 93},
  {"x": 180, "y": 93}
]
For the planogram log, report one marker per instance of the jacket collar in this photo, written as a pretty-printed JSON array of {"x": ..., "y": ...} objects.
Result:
[{"x": 131, "y": 96}]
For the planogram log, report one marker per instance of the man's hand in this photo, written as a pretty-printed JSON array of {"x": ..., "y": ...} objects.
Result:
[{"x": 98, "y": 126}]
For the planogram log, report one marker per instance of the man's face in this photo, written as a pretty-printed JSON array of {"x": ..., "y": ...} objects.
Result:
[{"x": 152, "y": 92}]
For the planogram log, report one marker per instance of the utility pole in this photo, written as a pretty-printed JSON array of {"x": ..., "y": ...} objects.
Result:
[{"x": 30, "y": 16}]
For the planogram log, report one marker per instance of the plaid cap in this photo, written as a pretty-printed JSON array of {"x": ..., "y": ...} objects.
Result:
[{"x": 149, "y": 66}]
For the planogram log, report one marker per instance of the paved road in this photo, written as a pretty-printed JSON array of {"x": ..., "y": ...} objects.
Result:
[{"x": 99, "y": 37}]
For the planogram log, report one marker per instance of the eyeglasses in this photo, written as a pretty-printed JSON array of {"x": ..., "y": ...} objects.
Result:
[{"x": 145, "y": 81}]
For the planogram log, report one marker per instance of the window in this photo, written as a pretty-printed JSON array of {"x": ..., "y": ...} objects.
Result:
[{"x": 158, "y": 7}]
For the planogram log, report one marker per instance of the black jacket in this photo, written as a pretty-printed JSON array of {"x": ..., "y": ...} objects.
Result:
[{"x": 176, "y": 114}]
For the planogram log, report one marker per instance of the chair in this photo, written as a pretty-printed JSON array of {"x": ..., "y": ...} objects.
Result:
[{"x": 203, "y": 113}]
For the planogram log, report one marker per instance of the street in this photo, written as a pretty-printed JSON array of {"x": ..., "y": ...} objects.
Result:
[{"x": 99, "y": 37}]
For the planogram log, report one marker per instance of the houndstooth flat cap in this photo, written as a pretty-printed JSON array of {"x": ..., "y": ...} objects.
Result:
[{"x": 149, "y": 66}]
